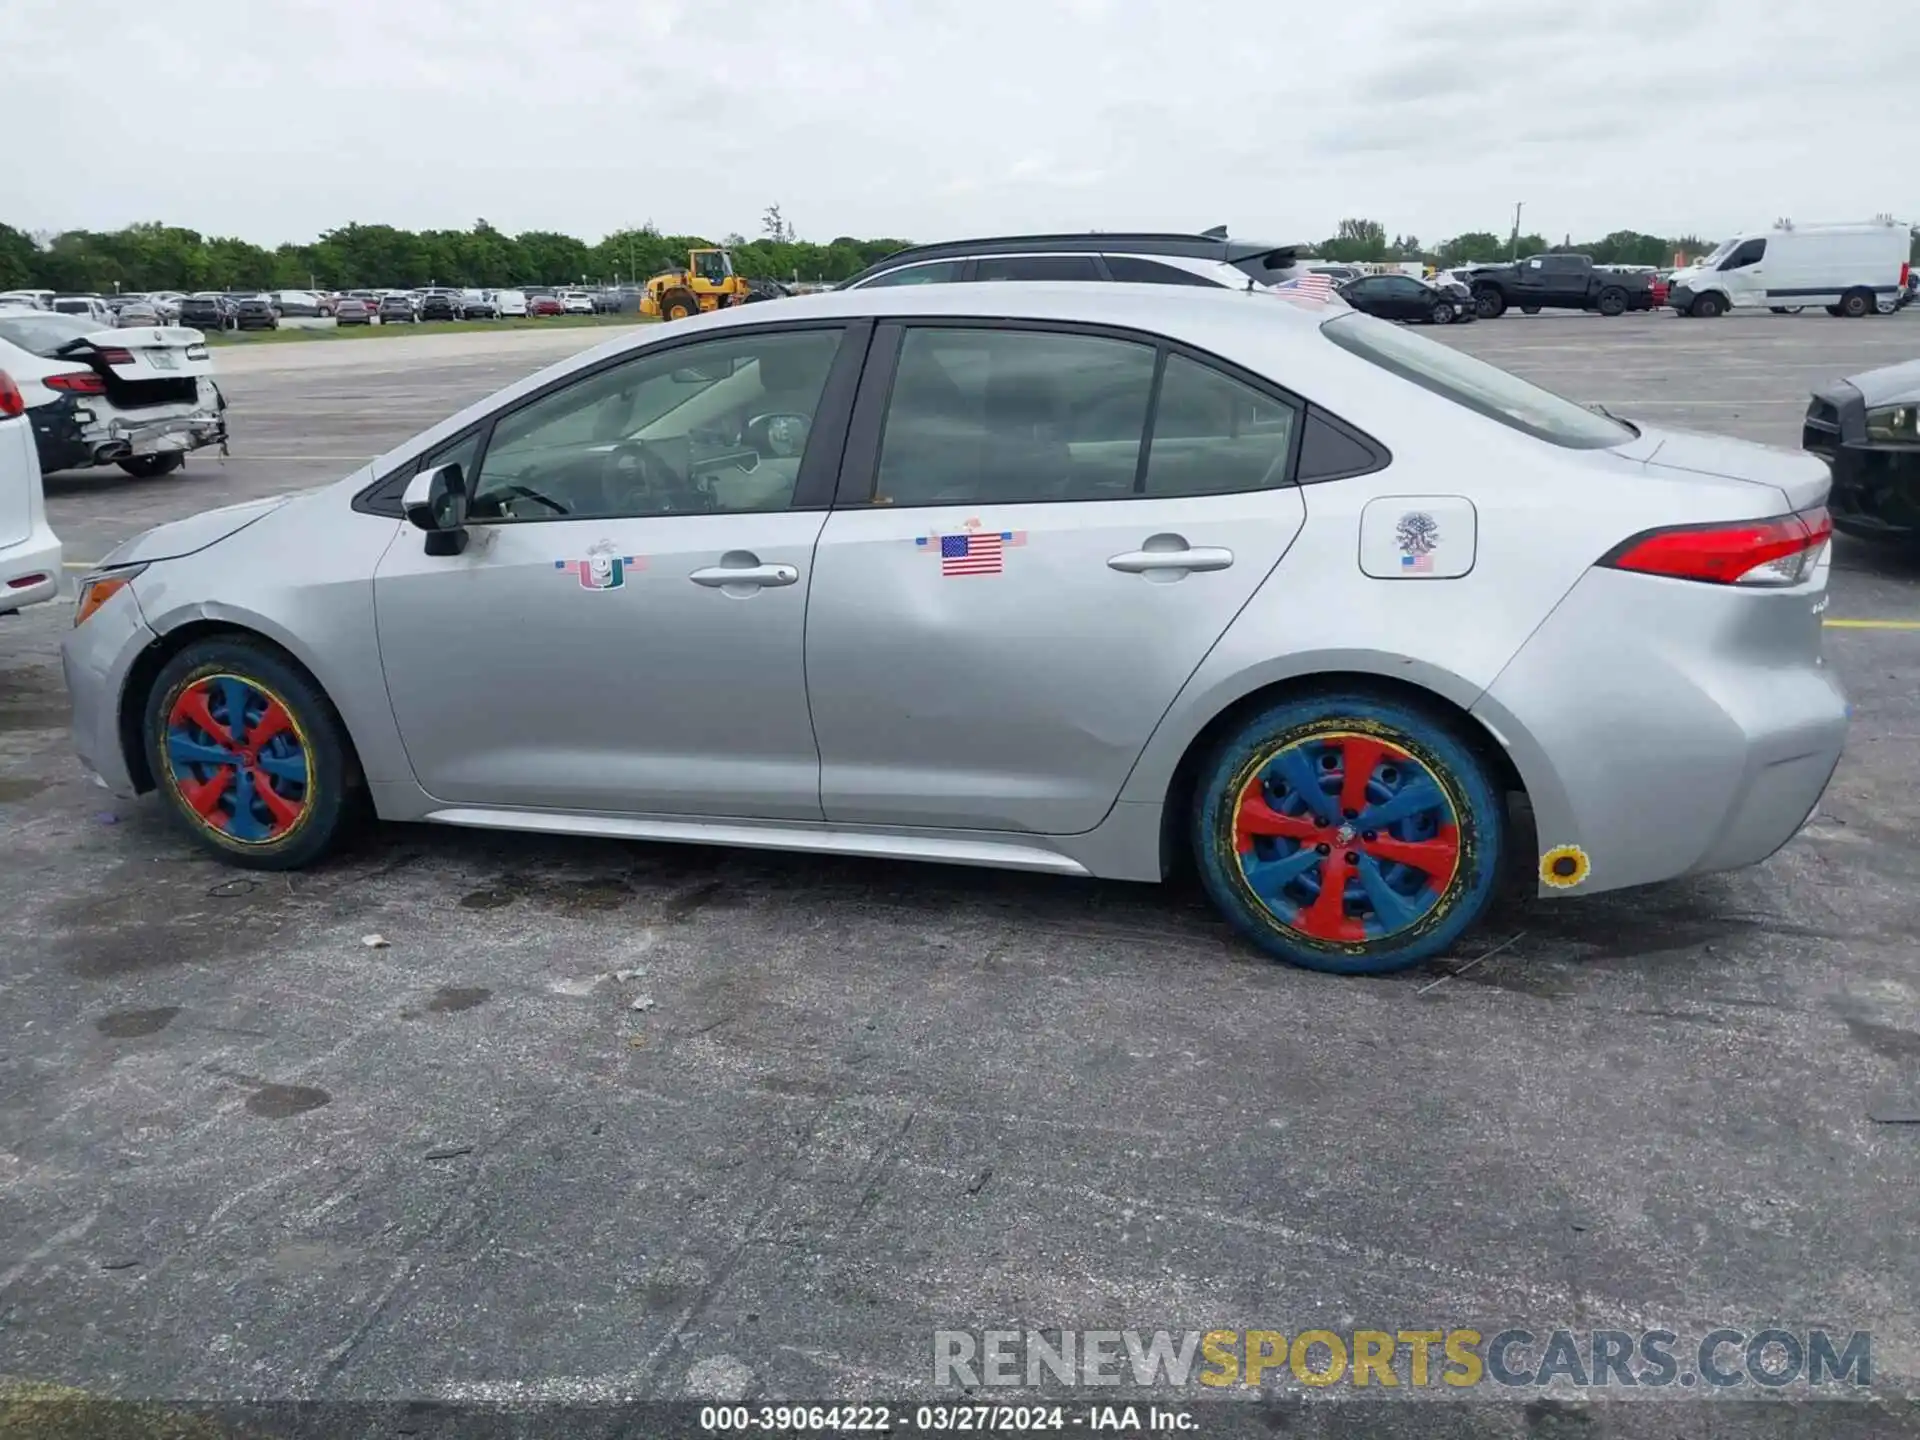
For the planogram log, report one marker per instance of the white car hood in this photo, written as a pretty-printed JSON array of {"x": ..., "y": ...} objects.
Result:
[{"x": 196, "y": 532}]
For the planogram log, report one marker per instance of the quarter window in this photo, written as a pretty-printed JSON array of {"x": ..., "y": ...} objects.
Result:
[
  {"x": 717, "y": 426},
  {"x": 1133, "y": 270}
]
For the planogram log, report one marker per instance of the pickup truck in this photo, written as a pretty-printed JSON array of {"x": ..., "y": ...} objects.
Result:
[{"x": 1558, "y": 282}]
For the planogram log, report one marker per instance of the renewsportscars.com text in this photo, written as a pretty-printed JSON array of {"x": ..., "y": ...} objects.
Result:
[{"x": 1766, "y": 1356}]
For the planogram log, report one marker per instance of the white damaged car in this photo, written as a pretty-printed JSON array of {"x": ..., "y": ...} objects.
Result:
[{"x": 138, "y": 398}]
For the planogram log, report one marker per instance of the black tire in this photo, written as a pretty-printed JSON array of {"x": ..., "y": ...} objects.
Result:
[
  {"x": 1490, "y": 303},
  {"x": 679, "y": 305},
  {"x": 1529, "y": 309},
  {"x": 1709, "y": 306},
  {"x": 151, "y": 467},
  {"x": 1442, "y": 312},
  {"x": 1857, "y": 304},
  {"x": 234, "y": 820},
  {"x": 1436, "y": 881},
  {"x": 1613, "y": 301}
]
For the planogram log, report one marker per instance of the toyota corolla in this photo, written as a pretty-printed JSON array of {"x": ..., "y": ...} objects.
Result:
[{"x": 1084, "y": 579}]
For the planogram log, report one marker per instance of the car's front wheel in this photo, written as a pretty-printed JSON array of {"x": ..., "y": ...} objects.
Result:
[
  {"x": 250, "y": 757},
  {"x": 1442, "y": 313},
  {"x": 1348, "y": 832}
]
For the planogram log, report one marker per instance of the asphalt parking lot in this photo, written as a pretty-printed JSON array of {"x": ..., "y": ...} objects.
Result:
[{"x": 245, "y": 1153}]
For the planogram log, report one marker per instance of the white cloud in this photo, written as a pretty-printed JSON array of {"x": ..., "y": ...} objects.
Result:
[{"x": 278, "y": 120}]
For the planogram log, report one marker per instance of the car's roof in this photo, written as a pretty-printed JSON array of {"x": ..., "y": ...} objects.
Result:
[
  {"x": 1170, "y": 308},
  {"x": 1092, "y": 242}
]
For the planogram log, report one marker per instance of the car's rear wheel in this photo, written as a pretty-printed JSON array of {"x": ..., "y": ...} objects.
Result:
[
  {"x": 250, "y": 757},
  {"x": 1348, "y": 833},
  {"x": 148, "y": 467},
  {"x": 679, "y": 305},
  {"x": 1442, "y": 312},
  {"x": 1856, "y": 304},
  {"x": 1613, "y": 301}
]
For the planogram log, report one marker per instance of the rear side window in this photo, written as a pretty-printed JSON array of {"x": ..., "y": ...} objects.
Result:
[
  {"x": 1482, "y": 388},
  {"x": 1133, "y": 270},
  {"x": 1036, "y": 267},
  {"x": 1028, "y": 416},
  {"x": 1214, "y": 436}
]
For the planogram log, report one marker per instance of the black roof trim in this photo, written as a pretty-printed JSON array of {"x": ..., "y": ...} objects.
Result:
[{"x": 1089, "y": 242}]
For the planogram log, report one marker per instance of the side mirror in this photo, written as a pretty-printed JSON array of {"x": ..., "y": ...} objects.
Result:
[{"x": 436, "y": 502}]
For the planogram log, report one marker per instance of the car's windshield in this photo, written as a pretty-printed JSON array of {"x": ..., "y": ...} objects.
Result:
[
  {"x": 1480, "y": 387},
  {"x": 42, "y": 333},
  {"x": 1720, "y": 252}
]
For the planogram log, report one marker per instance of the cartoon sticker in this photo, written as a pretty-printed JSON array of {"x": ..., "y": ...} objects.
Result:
[
  {"x": 973, "y": 550},
  {"x": 1417, "y": 535},
  {"x": 602, "y": 569},
  {"x": 1564, "y": 867}
]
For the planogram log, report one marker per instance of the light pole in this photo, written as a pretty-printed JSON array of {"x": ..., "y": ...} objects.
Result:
[{"x": 1514, "y": 252}]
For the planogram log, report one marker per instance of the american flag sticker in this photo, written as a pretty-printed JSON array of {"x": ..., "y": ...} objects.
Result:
[
  {"x": 1306, "y": 287},
  {"x": 973, "y": 550}
]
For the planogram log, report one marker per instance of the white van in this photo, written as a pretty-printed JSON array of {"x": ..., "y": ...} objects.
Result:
[
  {"x": 510, "y": 302},
  {"x": 1851, "y": 270}
]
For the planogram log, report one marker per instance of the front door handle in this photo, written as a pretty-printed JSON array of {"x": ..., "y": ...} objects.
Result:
[
  {"x": 1184, "y": 558},
  {"x": 723, "y": 577}
]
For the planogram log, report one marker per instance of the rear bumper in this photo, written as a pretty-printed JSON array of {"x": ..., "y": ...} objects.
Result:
[
  {"x": 74, "y": 432},
  {"x": 29, "y": 570},
  {"x": 97, "y": 658},
  {"x": 1669, "y": 728},
  {"x": 1876, "y": 488}
]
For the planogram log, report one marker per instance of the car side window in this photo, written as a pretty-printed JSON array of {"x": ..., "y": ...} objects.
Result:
[
  {"x": 720, "y": 425},
  {"x": 1133, "y": 270},
  {"x": 1213, "y": 435},
  {"x": 1013, "y": 416},
  {"x": 935, "y": 272},
  {"x": 1036, "y": 267},
  {"x": 1747, "y": 253}
]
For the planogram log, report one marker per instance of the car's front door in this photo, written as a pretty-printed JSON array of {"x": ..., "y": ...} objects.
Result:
[
  {"x": 1406, "y": 299},
  {"x": 1744, "y": 272},
  {"x": 624, "y": 630},
  {"x": 1041, "y": 532}
]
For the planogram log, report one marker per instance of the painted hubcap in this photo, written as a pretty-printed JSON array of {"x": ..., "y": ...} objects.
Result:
[
  {"x": 237, "y": 759},
  {"x": 1346, "y": 837}
]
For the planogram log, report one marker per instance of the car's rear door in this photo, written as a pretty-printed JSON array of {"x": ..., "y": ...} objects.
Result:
[{"x": 1041, "y": 531}]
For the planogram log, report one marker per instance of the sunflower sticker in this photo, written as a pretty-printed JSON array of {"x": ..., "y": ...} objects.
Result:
[{"x": 1564, "y": 867}]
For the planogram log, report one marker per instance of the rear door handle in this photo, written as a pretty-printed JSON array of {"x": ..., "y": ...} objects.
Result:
[
  {"x": 1198, "y": 557},
  {"x": 723, "y": 577}
]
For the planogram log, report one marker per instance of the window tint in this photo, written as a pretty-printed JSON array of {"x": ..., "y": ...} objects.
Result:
[
  {"x": 1008, "y": 416},
  {"x": 1213, "y": 435},
  {"x": 1134, "y": 270},
  {"x": 1402, "y": 288},
  {"x": 1036, "y": 267},
  {"x": 1329, "y": 451},
  {"x": 937, "y": 272},
  {"x": 1747, "y": 254},
  {"x": 714, "y": 426},
  {"x": 1485, "y": 389}
]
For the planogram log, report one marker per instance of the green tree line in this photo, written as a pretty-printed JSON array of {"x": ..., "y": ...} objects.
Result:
[{"x": 168, "y": 257}]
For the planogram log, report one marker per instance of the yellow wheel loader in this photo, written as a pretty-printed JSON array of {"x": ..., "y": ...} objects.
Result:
[{"x": 708, "y": 283}]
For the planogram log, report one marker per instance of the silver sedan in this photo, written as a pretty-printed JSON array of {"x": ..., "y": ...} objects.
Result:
[{"x": 1083, "y": 579}]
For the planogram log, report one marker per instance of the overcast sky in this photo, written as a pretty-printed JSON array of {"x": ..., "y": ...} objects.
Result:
[{"x": 277, "y": 119}]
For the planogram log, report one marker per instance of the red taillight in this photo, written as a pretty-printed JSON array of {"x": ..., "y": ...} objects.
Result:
[
  {"x": 77, "y": 382},
  {"x": 1906, "y": 273},
  {"x": 1779, "y": 551},
  {"x": 12, "y": 402},
  {"x": 116, "y": 357}
]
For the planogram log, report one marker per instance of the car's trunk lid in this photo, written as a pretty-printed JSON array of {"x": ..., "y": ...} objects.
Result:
[
  {"x": 145, "y": 365},
  {"x": 1803, "y": 479}
]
